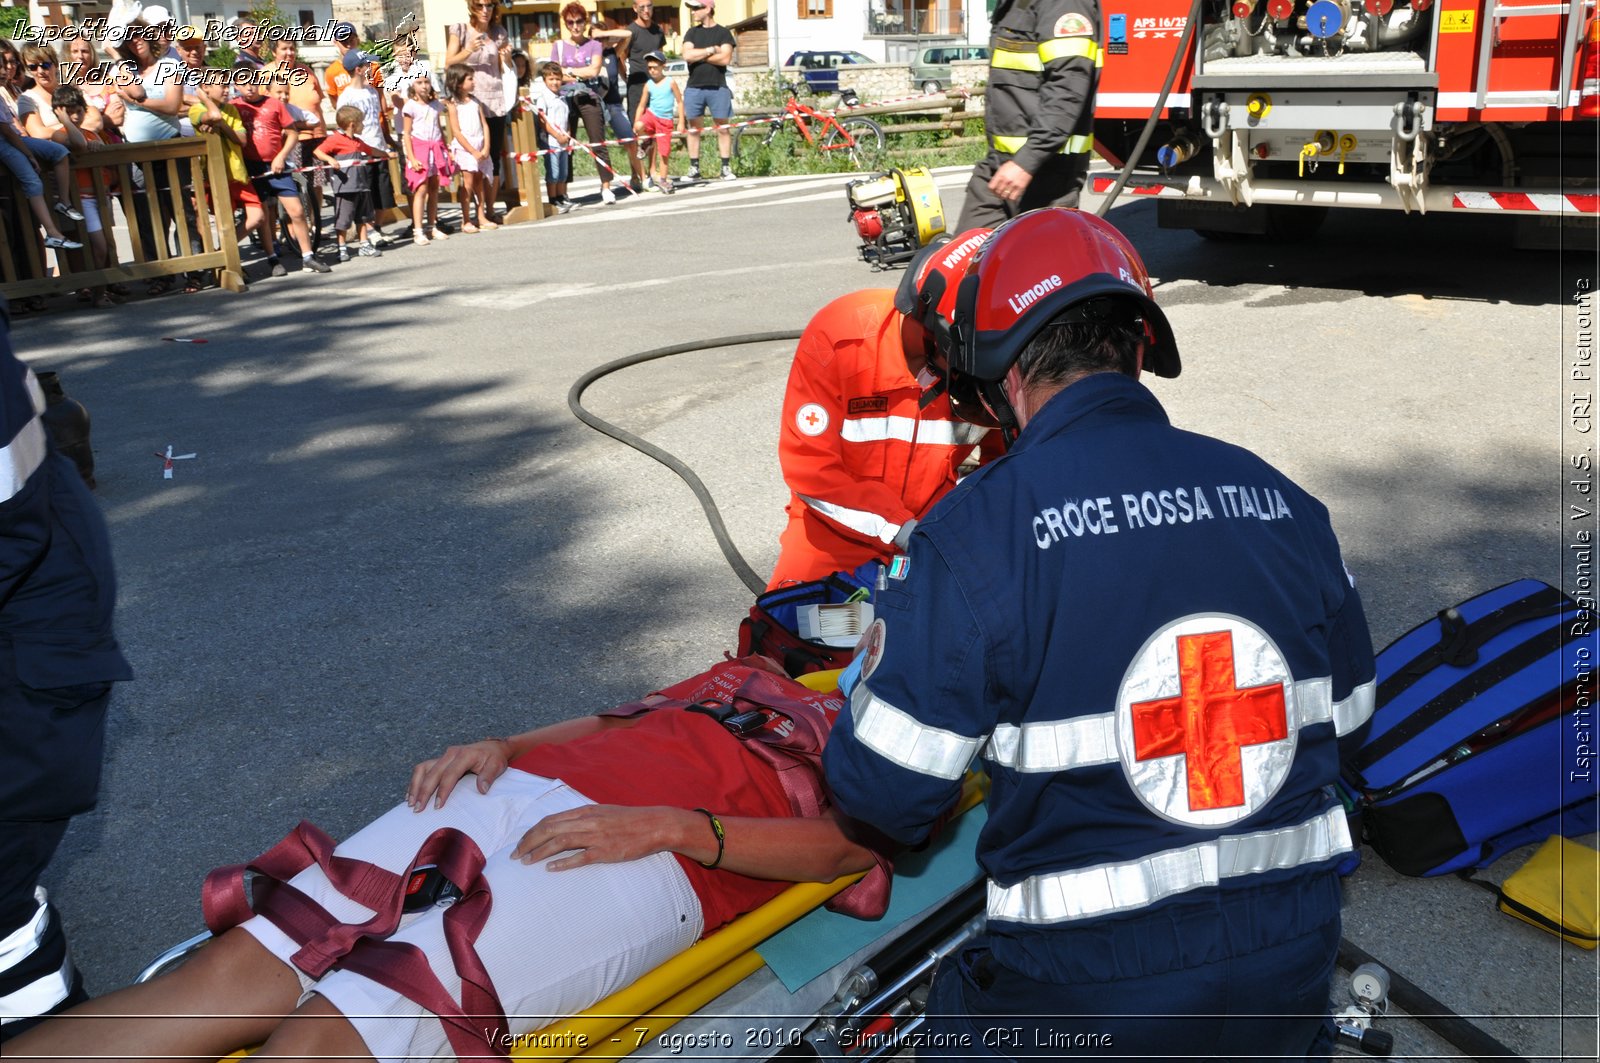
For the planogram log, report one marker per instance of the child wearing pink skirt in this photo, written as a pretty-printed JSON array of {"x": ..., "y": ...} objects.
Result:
[
  {"x": 469, "y": 146},
  {"x": 426, "y": 160}
]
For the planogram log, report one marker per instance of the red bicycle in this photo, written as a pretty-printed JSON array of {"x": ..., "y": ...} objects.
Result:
[{"x": 854, "y": 140}]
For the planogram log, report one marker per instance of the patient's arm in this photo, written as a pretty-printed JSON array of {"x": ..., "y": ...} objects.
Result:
[
  {"x": 435, "y": 779},
  {"x": 787, "y": 849}
]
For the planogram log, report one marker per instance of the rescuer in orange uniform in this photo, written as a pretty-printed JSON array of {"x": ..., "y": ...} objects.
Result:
[{"x": 864, "y": 450}]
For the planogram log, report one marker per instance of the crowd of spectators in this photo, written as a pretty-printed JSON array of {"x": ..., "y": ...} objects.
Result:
[{"x": 302, "y": 150}]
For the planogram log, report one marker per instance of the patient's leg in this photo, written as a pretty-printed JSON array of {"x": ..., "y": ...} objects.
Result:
[
  {"x": 230, "y": 994},
  {"x": 315, "y": 1031}
]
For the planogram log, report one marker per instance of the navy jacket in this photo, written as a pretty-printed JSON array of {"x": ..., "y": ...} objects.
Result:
[
  {"x": 1151, "y": 641},
  {"x": 57, "y": 593}
]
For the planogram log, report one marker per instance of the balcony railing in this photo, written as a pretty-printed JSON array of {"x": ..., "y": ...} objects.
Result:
[{"x": 920, "y": 20}]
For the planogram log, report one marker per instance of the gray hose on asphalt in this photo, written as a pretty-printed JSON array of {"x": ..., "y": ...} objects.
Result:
[{"x": 741, "y": 567}]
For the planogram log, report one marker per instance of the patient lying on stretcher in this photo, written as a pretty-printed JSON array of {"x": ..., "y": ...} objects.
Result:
[{"x": 607, "y": 844}]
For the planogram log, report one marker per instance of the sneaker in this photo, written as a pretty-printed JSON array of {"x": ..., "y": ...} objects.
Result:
[
  {"x": 61, "y": 243},
  {"x": 642, "y": 152},
  {"x": 278, "y": 269},
  {"x": 369, "y": 251},
  {"x": 608, "y": 197},
  {"x": 693, "y": 174},
  {"x": 637, "y": 185},
  {"x": 666, "y": 186},
  {"x": 564, "y": 206},
  {"x": 379, "y": 239},
  {"x": 68, "y": 212},
  {"x": 728, "y": 174},
  {"x": 316, "y": 265}
]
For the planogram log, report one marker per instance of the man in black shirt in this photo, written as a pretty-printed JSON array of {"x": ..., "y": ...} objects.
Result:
[
  {"x": 644, "y": 37},
  {"x": 709, "y": 49}
]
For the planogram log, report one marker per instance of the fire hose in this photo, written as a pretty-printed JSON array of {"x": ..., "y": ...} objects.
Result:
[{"x": 1155, "y": 112}]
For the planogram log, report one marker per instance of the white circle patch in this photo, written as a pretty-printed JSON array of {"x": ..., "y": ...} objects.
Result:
[
  {"x": 871, "y": 645},
  {"x": 1206, "y": 721},
  {"x": 811, "y": 419}
]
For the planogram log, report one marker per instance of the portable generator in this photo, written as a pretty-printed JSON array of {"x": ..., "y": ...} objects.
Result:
[{"x": 894, "y": 213}]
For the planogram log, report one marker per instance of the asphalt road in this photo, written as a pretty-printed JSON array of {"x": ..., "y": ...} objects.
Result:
[{"x": 395, "y": 535}]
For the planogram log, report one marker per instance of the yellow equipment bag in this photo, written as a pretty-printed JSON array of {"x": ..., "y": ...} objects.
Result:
[{"x": 1558, "y": 890}]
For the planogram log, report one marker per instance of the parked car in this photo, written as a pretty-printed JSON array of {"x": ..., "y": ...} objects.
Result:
[
  {"x": 677, "y": 66},
  {"x": 821, "y": 69},
  {"x": 931, "y": 68}
]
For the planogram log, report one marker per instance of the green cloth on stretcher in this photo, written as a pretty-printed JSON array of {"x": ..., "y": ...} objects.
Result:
[{"x": 812, "y": 944}]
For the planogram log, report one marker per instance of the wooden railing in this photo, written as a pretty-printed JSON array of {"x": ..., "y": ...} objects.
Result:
[{"x": 162, "y": 165}]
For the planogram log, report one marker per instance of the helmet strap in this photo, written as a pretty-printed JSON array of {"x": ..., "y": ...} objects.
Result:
[{"x": 994, "y": 398}]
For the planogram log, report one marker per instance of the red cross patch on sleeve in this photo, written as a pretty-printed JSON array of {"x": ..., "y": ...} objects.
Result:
[{"x": 1074, "y": 25}]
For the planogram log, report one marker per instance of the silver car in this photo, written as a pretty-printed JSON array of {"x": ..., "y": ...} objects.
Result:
[{"x": 930, "y": 71}]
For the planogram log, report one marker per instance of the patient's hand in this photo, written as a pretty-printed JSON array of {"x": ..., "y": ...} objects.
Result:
[
  {"x": 604, "y": 834},
  {"x": 435, "y": 779}
]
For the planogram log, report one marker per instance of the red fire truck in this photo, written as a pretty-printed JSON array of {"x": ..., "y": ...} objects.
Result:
[{"x": 1281, "y": 109}]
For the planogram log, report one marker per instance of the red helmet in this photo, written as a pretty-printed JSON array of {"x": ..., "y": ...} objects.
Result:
[
  {"x": 1047, "y": 266},
  {"x": 927, "y": 292}
]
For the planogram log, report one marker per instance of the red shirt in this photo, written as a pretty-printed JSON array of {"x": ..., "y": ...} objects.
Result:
[
  {"x": 341, "y": 143},
  {"x": 264, "y": 123},
  {"x": 682, "y": 759}
]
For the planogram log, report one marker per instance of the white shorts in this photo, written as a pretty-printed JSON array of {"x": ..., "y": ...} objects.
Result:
[
  {"x": 90, "y": 208},
  {"x": 555, "y": 941}
]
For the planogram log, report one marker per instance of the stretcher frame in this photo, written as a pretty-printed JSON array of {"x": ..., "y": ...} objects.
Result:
[{"x": 666, "y": 995}]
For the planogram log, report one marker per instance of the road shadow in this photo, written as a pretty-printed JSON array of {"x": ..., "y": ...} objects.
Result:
[
  {"x": 1369, "y": 252},
  {"x": 381, "y": 548}
]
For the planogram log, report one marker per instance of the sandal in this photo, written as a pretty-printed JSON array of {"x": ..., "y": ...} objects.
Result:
[
  {"x": 159, "y": 286},
  {"x": 118, "y": 288},
  {"x": 84, "y": 295},
  {"x": 468, "y": 227},
  {"x": 487, "y": 224},
  {"x": 193, "y": 285},
  {"x": 103, "y": 302}
]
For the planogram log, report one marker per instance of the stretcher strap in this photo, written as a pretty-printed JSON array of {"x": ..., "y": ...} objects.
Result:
[{"x": 474, "y": 1026}]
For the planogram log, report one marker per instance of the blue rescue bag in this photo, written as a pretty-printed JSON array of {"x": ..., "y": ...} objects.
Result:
[{"x": 1482, "y": 736}]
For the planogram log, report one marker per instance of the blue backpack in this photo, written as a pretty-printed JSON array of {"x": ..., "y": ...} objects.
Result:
[{"x": 1483, "y": 734}]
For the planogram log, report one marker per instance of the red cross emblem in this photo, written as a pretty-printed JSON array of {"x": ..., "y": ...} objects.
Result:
[
  {"x": 1209, "y": 721},
  {"x": 811, "y": 419}
]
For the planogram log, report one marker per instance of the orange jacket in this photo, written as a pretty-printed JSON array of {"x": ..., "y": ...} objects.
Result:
[{"x": 859, "y": 456}]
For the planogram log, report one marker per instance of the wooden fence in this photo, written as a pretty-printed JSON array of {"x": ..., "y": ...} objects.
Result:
[{"x": 166, "y": 168}]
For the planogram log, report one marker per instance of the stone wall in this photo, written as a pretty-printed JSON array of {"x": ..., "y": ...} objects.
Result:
[{"x": 873, "y": 81}]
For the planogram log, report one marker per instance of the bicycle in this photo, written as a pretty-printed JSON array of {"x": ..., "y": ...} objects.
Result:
[{"x": 856, "y": 139}]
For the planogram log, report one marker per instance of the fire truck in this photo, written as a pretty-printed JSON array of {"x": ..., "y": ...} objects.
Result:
[{"x": 1278, "y": 110}]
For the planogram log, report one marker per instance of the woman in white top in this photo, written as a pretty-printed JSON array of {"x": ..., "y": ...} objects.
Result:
[
  {"x": 150, "y": 84},
  {"x": 484, "y": 45}
]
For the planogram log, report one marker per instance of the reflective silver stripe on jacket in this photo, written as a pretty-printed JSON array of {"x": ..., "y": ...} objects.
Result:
[
  {"x": 860, "y": 520},
  {"x": 44, "y": 992},
  {"x": 1065, "y": 896},
  {"x": 1084, "y": 741},
  {"x": 910, "y": 430},
  {"x": 26, "y": 939},
  {"x": 897, "y": 737},
  {"x": 21, "y": 457},
  {"x": 38, "y": 996}
]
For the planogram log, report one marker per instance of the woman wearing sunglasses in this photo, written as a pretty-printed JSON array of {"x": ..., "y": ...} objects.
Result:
[
  {"x": 581, "y": 56},
  {"x": 484, "y": 45}
]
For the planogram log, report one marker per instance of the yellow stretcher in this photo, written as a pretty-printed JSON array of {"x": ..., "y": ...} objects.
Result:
[{"x": 633, "y": 1018}]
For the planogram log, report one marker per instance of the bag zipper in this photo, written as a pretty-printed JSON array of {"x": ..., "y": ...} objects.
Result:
[
  {"x": 1508, "y": 727},
  {"x": 1543, "y": 920}
]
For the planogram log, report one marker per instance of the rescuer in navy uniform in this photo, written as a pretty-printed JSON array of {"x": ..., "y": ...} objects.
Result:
[
  {"x": 58, "y": 659},
  {"x": 1044, "y": 68},
  {"x": 1150, "y": 640}
]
